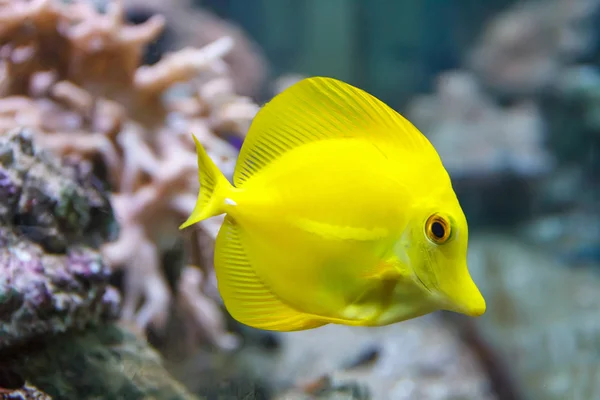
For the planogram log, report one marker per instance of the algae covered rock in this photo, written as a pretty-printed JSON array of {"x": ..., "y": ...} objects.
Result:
[
  {"x": 52, "y": 278},
  {"x": 50, "y": 203},
  {"x": 57, "y": 338},
  {"x": 27, "y": 392},
  {"x": 108, "y": 362}
]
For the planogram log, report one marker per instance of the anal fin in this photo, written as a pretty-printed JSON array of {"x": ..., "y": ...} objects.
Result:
[{"x": 246, "y": 297}]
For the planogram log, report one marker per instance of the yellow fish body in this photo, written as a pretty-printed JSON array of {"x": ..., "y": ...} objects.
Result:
[{"x": 340, "y": 212}]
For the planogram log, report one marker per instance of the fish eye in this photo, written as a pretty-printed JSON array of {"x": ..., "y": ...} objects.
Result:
[{"x": 437, "y": 229}]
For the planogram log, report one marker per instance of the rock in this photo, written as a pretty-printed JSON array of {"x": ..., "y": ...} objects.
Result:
[
  {"x": 52, "y": 278},
  {"x": 108, "y": 362},
  {"x": 27, "y": 392},
  {"x": 226, "y": 375},
  {"x": 56, "y": 304},
  {"x": 542, "y": 318},
  {"x": 571, "y": 236},
  {"x": 572, "y": 111},
  {"x": 50, "y": 203},
  {"x": 416, "y": 359}
]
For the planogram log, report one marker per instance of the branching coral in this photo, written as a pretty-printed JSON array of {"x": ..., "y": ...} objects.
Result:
[
  {"x": 189, "y": 26},
  {"x": 74, "y": 74}
]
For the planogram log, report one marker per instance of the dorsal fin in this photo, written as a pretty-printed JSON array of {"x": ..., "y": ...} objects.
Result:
[{"x": 322, "y": 108}]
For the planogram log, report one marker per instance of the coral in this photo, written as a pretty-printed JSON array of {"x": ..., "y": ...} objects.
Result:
[
  {"x": 56, "y": 305},
  {"x": 524, "y": 48},
  {"x": 495, "y": 153},
  {"x": 285, "y": 81},
  {"x": 476, "y": 136},
  {"x": 52, "y": 276},
  {"x": 190, "y": 285},
  {"x": 73, "y": 73},
  {"x": 517, "y": 123},
  {"x": 190, "y": 26}
]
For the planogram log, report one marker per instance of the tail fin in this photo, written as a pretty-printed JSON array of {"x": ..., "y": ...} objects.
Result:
[{"x": 214, "y": 188}]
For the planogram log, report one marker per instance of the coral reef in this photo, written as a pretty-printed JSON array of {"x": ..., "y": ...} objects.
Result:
[
  {"x": 190, "y": 26},
  {"x": 53, "y": 219},
  {"x": 73, "y": 73},
  {"x": 72, "y": 80},
  {"x": 476, "y": 136},
  {"x": 56, "y": 305},
  {"x": 499, "y": 123},
  {"x": 495, "y": 154},
  {"x": 524, "y": 49},
  {"x": 518, "y": 130},
  {"x": 528, "y": 50}
]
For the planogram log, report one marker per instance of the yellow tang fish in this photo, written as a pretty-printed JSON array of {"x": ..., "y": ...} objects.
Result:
[{"x": 340, "y": 212}]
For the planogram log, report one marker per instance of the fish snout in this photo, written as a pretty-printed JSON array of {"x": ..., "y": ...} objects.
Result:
[{"x": 463, "y": 296}]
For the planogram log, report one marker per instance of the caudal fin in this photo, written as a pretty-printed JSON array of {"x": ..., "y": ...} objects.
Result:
[{"x": 214, "y": 189}]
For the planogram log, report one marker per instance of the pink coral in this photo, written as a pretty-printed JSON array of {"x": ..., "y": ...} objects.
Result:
[{"x": 195, "y": 27}]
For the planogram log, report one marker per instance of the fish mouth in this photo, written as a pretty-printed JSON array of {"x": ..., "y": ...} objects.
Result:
[
  {"x": 472, "y": 309},
  {"x": 464, "y": 297}
]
